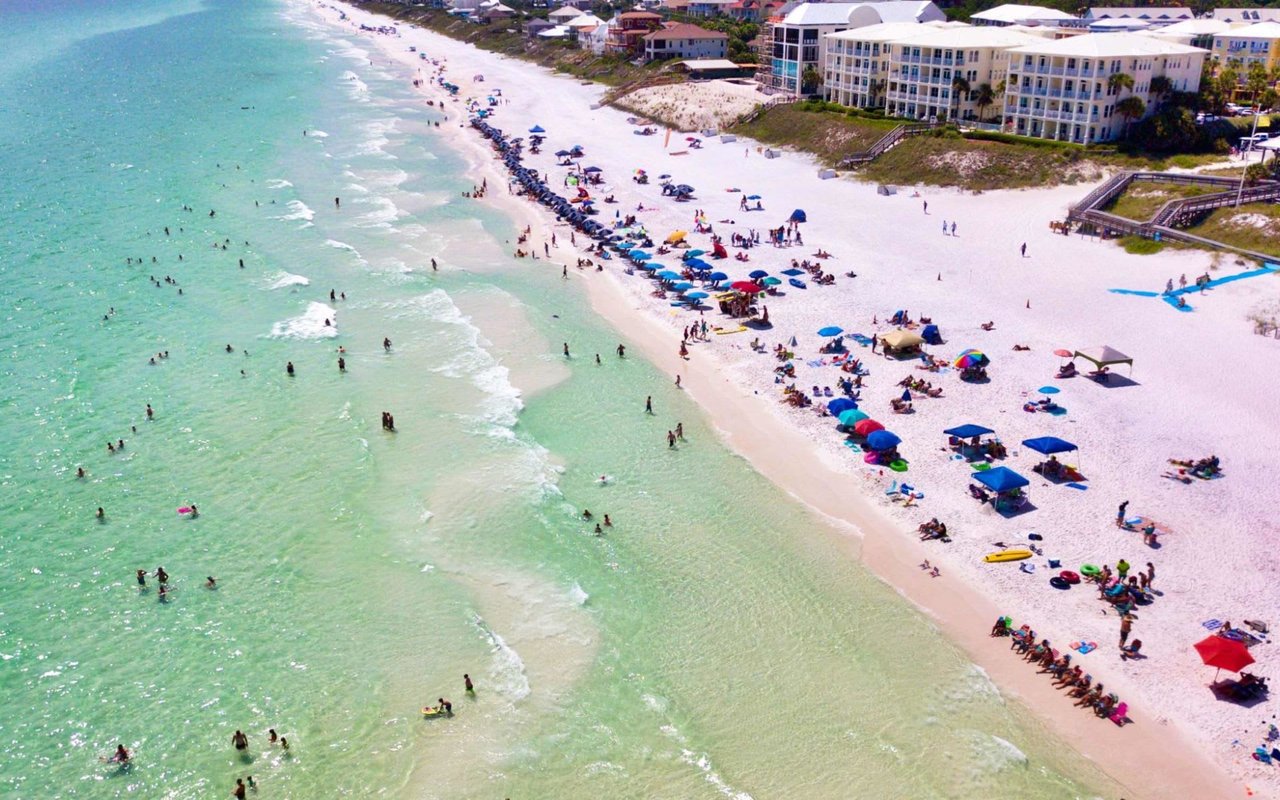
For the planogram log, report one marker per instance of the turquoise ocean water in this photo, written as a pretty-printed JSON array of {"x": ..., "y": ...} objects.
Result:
[{"x": 717, "y": 642}]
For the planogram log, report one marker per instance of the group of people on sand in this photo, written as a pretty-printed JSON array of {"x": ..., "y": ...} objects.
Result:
[{"x": 1065, "y": 675}]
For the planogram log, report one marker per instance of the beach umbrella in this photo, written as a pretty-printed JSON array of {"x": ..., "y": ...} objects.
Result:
[
  {"x": 664, "y": 176},
  {"x": 1048, "y": 390},
  {"x": 593, "y": 169},
  {"x": 698, "y": 263},
  {"x": 625, "y": 245},
  {"x": 683, "y": 286},
  {"x": 639, "y": 255},
  {"x": 899, "y": 339},
  {"x": 537, "y": 129},
  {"x": 1223, "y": 653},
  {"x": 882, "y": 440},
  {"x": 771, "y": 281},
  {"x": 830, "y": 330},
  {"x": 753, "y": 197},
  {"x": 668, "y": 275},
  {"x": 839, "y": 405},
  {"x": 793, "y": 341},
  {"x": 867, "y": 426},
  {"x": 793, "y": 272},
  {"x": 561, "y": 153},
  {"x": 746, "y": 287},
  {"x": 1048, "y": 445},
  {"x": 757, "y": 274},
  {"x": 695, "y": 295},
  {"x": 971, "y": 358},
  {"x": 718, "y": 276},
  {"x": 694, "y": 253},
  {"x": 1061, "y": 353},
  {"x": 648, "y": 265},
  {"x": 676, "y": 236},
  {"x": 850, "y": 417}
]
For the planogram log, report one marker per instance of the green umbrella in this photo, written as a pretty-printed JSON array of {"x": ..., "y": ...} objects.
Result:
[
  {"x": 771, "y": 281},
  {"x": 852, "y": 417}
]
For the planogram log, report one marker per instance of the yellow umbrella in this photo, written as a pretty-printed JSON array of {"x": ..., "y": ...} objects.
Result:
[
  {"x": 900, "y": 339},
  {"x": 677, "y": 236}
]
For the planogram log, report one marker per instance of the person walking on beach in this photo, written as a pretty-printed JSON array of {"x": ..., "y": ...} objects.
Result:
[
  {"x": 1120, "y": 514},
  {"x": 678, "y": 382},
  {"x": 944, "y": 227},
  {"x": 648, "y": 404},
  {"x": 1126, "y": 623},
  {"x": 953, "y": 228},
  {"x": 1024, "y": 249},
  {"x": 875, "y": 340},
  {"x": 926, "y": 206}
]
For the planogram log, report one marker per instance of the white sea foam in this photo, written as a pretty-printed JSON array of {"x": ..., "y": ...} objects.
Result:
[
  {"x": 359, "y": 88},
  {"x": 703, "y": 763},
  {"x": 318, "y": 134},
  {"x": 337, "y": 245},
  {"x": 506, "y": 672},
  {"x": 278, "y": 183},
  {"x": 376, "y": 136},
  {"x": 308, "y": 325},
  {"x": 299, "y": 210},
  {"x": 383, "y": 214},
  {"x": 578, "y": 595},
  {"x": 281, "y": 280}
]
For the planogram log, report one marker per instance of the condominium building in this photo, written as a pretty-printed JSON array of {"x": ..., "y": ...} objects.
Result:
[
  {"x": 856, "y": 62},
  {"x": 1253, "y": 44},
  {"x": 1062, "y": 89},
  {"x": 938, "y": 74},
  {"x": 793, "y": 44}
]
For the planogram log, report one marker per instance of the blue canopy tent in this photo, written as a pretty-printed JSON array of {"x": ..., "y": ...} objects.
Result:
[
  {"x": 694, "y": 253},
  {"x": 931, "y": 334},
  {"x": 1001, "y": 479},
  {"x": 1048, "y": 445},
  {"x": 537, "y": 129},
  {"x": 967, "y": 431},
  {"x": 798, "y": 216}
]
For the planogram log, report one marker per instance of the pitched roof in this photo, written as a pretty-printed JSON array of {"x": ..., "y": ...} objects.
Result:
[
  {"x": 1108, "y": 45},
  {"x": 906, "y": 10},
  {"x": 1247, "y": 14},
  {"x": 1153, "y": 14},
  {"x": 1260, "y": 30},
  {"x": 820, "y": 14},
  {"x": 1012, "y": 12},
  {"x": 983, "y": 36},
  {"x": 685, "y": 30}
]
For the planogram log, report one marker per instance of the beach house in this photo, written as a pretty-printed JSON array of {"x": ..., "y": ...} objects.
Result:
[
  {"x": 685, "y": 40},
  {"x": 941, "y": 74},
  {"x": 791, "y": 46},
  {"x": 1064, "y": 89},
  {"x": 627, "y": 30}
]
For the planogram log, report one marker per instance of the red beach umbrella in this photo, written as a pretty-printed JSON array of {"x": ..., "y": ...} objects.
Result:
[
  {"x": 866, "y": 427},
  {"x": 1224, "y": 653},
  {"x": 1061, "y": 353},
  {"x": 746, "y": 287}
]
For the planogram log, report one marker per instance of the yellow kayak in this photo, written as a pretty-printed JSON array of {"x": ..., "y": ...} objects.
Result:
[{"x": 1015, "y": 554}]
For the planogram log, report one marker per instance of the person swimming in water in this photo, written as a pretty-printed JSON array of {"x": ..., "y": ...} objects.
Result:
[
  {"x": 101, "y": 514},
  {"x": 608, "y": 523},
  {"x": 121, "y": 755},
  {"x": 272, "y": 738},
  {"x": 79, "y": 472},
  {"x": 210, "y": 582}
]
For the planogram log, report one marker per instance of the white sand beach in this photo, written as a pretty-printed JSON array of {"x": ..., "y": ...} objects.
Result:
[{"x": 1201, "y": 384}]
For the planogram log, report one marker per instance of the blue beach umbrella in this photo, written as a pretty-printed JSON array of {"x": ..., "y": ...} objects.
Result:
[
  {"x": 639, "y": 255},
  {"x": 625, "y": 245},
  {"x": 694, "y": 253},
  {"x": 830, "y": 330},
  {"x": 756, "y": 274},
  {"x": 682, "y": 286},
  {"x": 718, "y": 276},
  {"x": 695, "y": 295},
  {"x": 882, "y": 440},
  {"x": 839, "y": 405},
  {"x": 1048, "y": 390},
  {"x": 648, "y": 265},
  {"x": 906, "y": 395},
  {"x": 668, "y": 275},
  {"x": 753, "y": 197}
]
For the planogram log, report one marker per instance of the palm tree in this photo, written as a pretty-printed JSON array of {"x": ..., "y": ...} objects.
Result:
[
  {"x": 1256, "y": 80},
  {"x": 959, "y": 88},
  {"x": 1160, "y": 86},
  {"x": 1119, "y": 81},
  {"x": 1131, "y": 108},
  {"x": 810, "y": 80},
  {"x": 985, "y": 99}
]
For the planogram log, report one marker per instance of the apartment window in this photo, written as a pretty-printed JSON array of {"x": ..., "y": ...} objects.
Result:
[{"x": 1071, "y": 63}]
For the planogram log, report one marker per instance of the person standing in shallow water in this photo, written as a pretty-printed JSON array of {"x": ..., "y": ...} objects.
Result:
[{"x": 289, "y": 368}]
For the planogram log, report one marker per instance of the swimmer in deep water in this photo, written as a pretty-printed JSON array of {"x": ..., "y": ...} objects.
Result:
[
  {"x": 101, "y": 514},
  {"x": 210, "y": 582},
  {"x": 80, "y": 472}
]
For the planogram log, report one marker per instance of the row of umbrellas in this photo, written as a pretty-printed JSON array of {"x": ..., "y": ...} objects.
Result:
[{"x": 846, "y": 410}]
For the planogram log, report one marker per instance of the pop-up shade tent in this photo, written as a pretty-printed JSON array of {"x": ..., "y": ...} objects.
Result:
[
  {"x": 967, "y": 431},
  {"x": 931, "y": 334},
  {"x": 1001, "y": 479},
  {"x": 1049, "y": 445},
  {"x": 899, "y": 339},
  {"x": 1104, "y": 356},
  {"x": 798, "y": 216}
]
